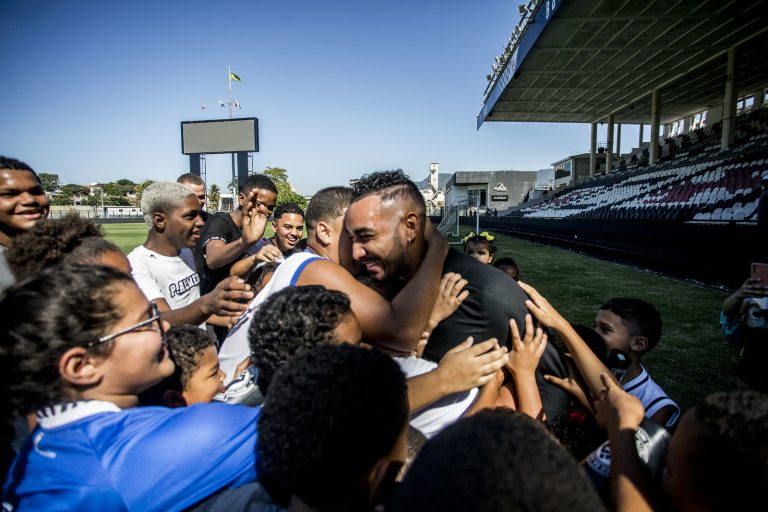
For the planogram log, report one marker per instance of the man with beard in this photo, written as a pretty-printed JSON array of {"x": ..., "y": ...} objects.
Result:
[{"x": 386, "y": 220}]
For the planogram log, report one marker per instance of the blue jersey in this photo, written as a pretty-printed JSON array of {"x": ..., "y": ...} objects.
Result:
[{"x": 94, "y": 456}]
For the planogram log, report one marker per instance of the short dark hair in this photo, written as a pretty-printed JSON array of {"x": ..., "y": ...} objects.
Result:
[
  {"x": 257, "y": 181},
  {"x": 43, "y": 317},
  {"x": 287, "y": 208},
  {"x": 291, "y": 321},
  {"x": 187, "y": 344},
  {"x": 389, "y": 185},
  {"x": 190, "y": 178},
  {"x": 506, "y": 261},
  {"x": 326, "y": 205},
  {"x": 16, "y": 165},
  {"x": 729, "y": 470},
  {"x": 333, "y": 412},
  {"x": 55, "y": 241},
  {"x": 495, "y": 460},
  {"x": 643, "y": 318}
]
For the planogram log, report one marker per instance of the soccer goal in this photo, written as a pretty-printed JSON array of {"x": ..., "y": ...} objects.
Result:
[{"x": 450, "y": 224}]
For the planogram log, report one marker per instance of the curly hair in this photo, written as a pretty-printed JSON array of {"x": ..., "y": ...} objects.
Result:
[
  {"x": 391, "y": 186},
  {"x": 333, "y": 412},
  {"x": 326, "y": 205},
  {"x": 291, "y": 321},
  {"x": 69, "y": 240},
  {"x": 730, "y": 464},
  {"x": 257, "y": 181},
  {"x": 187, "y": 344},
  {"x": 495, "y": 460},
  {"x": 43, "y": 317},
  {"x": 644, "y": 320},
  {"x": 284, "y": 208}
]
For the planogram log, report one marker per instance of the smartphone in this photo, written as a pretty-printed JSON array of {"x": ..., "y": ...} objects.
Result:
[{"x": 760, "y": 271}]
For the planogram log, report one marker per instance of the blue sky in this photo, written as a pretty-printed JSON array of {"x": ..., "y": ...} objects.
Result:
[{"x": 96, "y": 90}]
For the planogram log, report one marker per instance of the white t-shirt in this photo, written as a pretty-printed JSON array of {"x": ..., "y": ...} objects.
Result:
[
  {"x": 236, "y": 346},
  {"x": 436, "y": 416},
  {"x": 651, "y": 396},
  {"x": 167, "y": 277}
]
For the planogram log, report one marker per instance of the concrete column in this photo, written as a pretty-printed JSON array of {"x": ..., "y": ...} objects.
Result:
[
  {"x": 759, "y": 98},
  {"x": 618, "y": 140},
  {"x": 655, "y": 121},
  {"x": 593, "y": 149},
  {"x": 640, "y": 136},
  {"x": 729, "y": 102},
  {"x": 194, "y": 164},
  {"x": 686, "y": 124},
  {"x": 609, "y": 149}
]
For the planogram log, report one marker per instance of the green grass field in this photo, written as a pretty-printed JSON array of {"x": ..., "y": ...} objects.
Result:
[{"x": 692, "y": 359}]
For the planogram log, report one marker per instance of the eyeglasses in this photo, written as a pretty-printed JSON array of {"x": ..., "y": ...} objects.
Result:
[{"x": 155, "y": 317}]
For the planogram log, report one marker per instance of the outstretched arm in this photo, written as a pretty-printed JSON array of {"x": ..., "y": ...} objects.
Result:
[
  {"x": 622, "y": 413},
  {"x": 221, "y": 301},
  {"x": 589, "y": 365},
  {"x": 522, "y": 362},
  {"x": 396, "y": 325},
  {"x": 464, "y": 367}
]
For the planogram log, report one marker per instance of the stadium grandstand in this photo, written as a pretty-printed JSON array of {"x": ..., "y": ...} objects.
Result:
[{"x": 683, "y": 202}]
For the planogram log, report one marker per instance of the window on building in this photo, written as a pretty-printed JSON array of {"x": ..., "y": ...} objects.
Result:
[{"x": 482, "y": 193}]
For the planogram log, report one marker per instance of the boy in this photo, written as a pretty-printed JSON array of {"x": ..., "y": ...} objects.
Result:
[
  {"x": 22, "y": 204},
  {"x": 197, "y": 378},
  {"x": 634, "y": 326},
  {"x": 332, "y": 434}
]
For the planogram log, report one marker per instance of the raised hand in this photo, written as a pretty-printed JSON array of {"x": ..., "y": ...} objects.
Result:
[
  {"x": 617, "y": 409},
  {"x": 254, "y": 222},
  {"x": 526, "y": 352}
]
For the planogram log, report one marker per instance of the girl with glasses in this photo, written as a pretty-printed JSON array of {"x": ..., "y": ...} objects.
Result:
[{"x": 79, "y": 345}]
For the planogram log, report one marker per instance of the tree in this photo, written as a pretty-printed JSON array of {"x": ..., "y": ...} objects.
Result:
[
  {"x": 117, "y": 201},
  {"x": 124, "y": 182},
  {"x": 50, "y": 182},
  {"x": 62, "y": 200},
  {"x": 75, "y": 190},
  {"x": 285, "y": 192},
  {"x": 139, "y": 189},
  {"x": 212, "y": 202}
]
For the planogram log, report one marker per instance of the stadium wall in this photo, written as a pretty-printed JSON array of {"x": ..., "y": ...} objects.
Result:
[{"x": 714, "y": 254}]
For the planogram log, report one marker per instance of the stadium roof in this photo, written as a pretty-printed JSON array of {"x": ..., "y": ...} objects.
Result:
[{"x": 579, "y": 61}]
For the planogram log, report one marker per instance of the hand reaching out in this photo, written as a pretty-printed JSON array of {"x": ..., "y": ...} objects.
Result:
[
  {"x": 467, "y": 366},
  {"x": 526, "y": 352},
  {"x": 540, "y": 307},
  {"x": 269, "y": 253},
  {"x": 617, "y": 409}
]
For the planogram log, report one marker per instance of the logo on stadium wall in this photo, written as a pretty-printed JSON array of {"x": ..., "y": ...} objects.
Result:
[{"x": 499, "y": 188}]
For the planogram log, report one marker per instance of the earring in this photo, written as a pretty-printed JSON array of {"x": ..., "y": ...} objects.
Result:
[{"x": 410, "y": 241}]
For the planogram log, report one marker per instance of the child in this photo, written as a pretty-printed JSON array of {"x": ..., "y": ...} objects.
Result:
[
  {"x": 630, "y": 325},
  {"x": 509, "y": 267},
  {"x": 79, "y": 344},
  {"x": 634, "y": 326},
  {"x": 480, "y": 247},
  {"x": 197, "y": 378}
]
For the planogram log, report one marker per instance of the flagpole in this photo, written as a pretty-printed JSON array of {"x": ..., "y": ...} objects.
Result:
[{"x": 229, "y": 83}]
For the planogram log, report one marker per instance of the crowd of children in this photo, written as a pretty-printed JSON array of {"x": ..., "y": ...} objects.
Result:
[{"x": 368, "y": 368}]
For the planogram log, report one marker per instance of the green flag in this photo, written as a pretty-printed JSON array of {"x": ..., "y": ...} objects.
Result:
[{"x": 233, "y": 76}]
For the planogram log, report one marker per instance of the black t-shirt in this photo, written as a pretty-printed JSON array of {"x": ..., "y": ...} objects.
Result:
[
  {"x": 220, "y": 226},
  {"x": 494, "y": 298}
]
